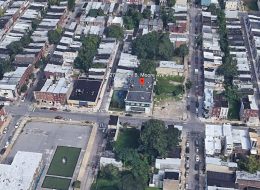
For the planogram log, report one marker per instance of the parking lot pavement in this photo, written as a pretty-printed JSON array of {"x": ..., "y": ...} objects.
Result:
[
  {"x": 44, "y": 137},
  {"x": 194, "y": 158}
]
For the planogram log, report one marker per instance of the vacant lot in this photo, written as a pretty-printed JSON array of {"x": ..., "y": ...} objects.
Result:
[{"x": 70, "y": 156}]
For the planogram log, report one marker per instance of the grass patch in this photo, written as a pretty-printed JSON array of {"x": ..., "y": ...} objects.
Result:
[
  {"x": 234, "y": 108},
  {"x": 251, "y": 5},
  {"x": 71, "y": 155},
  {"x": 152, "y": 188},
  {"x": 169, "y": 87},
  {"x": 118, "y": 100},
  {"x": 56, "y": 183},
  {"x": 128, "y": 138}
]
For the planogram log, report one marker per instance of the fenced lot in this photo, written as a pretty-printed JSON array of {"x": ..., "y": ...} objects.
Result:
[
  {"x": 61, "y": 168},
  {"x": 70, "y": 156}
]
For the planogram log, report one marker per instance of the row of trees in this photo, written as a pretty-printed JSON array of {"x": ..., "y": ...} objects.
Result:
[
  {"x": 229, "y": 66},
  {"x": 87, "y": 52},
  {"x": 154, "y": 45}
]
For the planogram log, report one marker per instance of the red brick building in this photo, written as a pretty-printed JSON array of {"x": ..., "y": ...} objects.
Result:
[{"x": 249, "y": 108}]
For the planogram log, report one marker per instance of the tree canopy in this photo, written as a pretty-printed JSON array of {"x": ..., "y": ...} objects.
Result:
[
  {"x": 96, "y": 12},
  {"x": 153, "y": 45},
  {"x": 154, "y": 138},
  {"x": 182, "y": 50},
  {"x": 146, "y": 13},
  {"x": 132, "y": 17},
  {"x": 54, "y": 35},
  {"x": 146, "y": 66},
  {"x": 167, "y": 16},
  {"x": 250, "y": 164},
  {"x": 5, "y": 66},
  {"x": 87, "y": 52},
  {"x": 115, "y": 31},
  {"x": 71, "y": 5}
]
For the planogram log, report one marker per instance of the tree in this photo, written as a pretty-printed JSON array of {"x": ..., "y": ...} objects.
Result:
[
  {"x": 24, "y": 88},
  {"x": 128, "y": 22},
  {"x": 5, "y": 66},
  {"x": 167, "y": 16},
  {"x": 188, "y": 84},
  {"x": 35, "y": 23},
  {"x": 71, "y": 5},
  {"x": 172, "y": 137},
  {"x": 212, "y": 8},
  {"x": 54, "y": 35},
  {"x": 250, "y": 164},
  {"x": 153, "y": 45},
  {"x": 76, "y": 184},
  {"x": 14, "y": 48},
  {"x": 130, "y": 182},
  {"x": 132, "y": 17},
  {"x": 87, "y": 52},
  {"x": 146, "y": 13},
  {"x": 171, "y": 3},
  {"x": 146, "y": 66},
  {"x": 153, "y": 138},
  {"x": 96, "y": 12},
  {"x": 25, "y": 40},
  {"x": 182, "y": 50},
  {"x": 115, "y": 31},
  {"x": 53, "y": 2}
]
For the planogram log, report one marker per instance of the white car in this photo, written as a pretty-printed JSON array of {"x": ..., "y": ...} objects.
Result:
[
  {"x": 197, "y": 158},
  {"x": 187, "y": 144},
  {"x": 16, "y": 126}
]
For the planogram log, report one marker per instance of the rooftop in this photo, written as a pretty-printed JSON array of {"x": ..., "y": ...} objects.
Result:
[
  {"x": 85, "y": 90},
  {"x": 21, "y": 173}
]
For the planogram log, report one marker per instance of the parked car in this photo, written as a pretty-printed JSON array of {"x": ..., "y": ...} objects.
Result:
[
  {"x": 67, "y": 110},
  {"x": 197, "y": 158},
  {"x": 53, "y": 109},
  {"x": 197, "y": 150},
  {"x": 44, "y": 108},
  {"x": 128, "y": 114},
  {"x": 2, "y": 151},
  {"x": 58, "y": 117}
]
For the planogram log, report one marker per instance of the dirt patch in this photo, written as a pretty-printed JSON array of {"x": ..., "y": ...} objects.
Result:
[{"x": 170, "y": 108}]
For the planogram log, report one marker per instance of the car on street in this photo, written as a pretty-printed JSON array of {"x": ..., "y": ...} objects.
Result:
[
  {"x": 53, "y": 109},
  {"x": 2, "y": 151},
  {"x": 197, "y": 158},
  {"x": 44, "y": 108},
  {"x": 196, "y": 142},
  {"x": 58, "y": 117},
  {"x": 67, "y": 110},
  {"x": 196, "y": 168},
  {"x": 197, "y": 150},
  {"x": 187, "y": 144}
]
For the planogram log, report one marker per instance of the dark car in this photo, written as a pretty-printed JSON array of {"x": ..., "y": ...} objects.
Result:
[
  {"x": 128, "y": 114},
  {"x": 53, "y": 109},
  {"x": 196, "y": 167},
  {"x": 2, "y": 151},
  {"x": 196, "y": 177},
  {"x": 58, "y": 117},
  {"x": 44, "y": 108}
]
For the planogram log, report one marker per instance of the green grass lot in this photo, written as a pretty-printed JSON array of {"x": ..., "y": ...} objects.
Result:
[
  {"x": 57, "y": 168},
  {"x": 56, "y": 183},
  {"x": 234, "y": 108},
  {"x": 128, "y": 138},
  {"x": 170, "y": 86},
  {"x": 118, "y": 100}
]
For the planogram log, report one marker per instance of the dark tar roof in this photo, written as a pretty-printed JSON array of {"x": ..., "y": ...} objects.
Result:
[
  {"x": 85, "y": 90},
  {"x": 221, "y": 179}
]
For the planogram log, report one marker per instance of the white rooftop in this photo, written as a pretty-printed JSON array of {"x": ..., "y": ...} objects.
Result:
[
  {"x": 21, "y": 173},
  {"x": 170, "y": 64}
]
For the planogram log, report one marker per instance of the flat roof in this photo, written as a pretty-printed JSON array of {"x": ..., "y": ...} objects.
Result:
[
  {"x": 21, "y": 173},
  {"x": 85, "y": 90}
]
